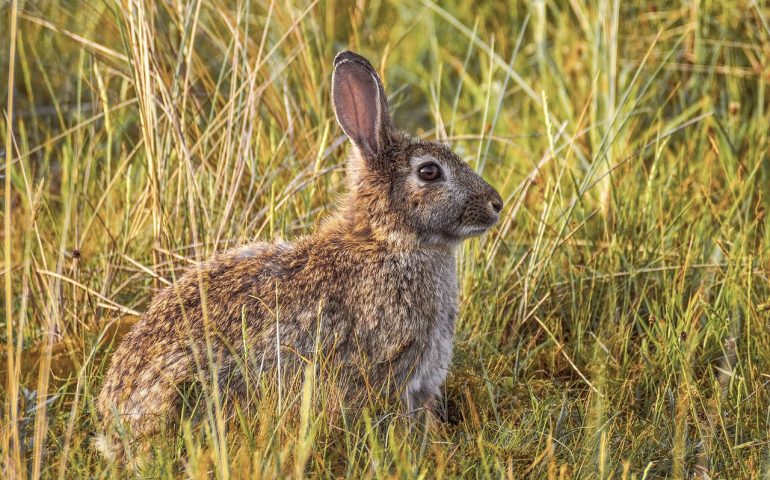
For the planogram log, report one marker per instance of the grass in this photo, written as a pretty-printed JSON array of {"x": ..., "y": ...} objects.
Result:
[{"x": 613, "y": 325}]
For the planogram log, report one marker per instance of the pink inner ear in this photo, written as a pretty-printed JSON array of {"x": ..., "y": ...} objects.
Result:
[{"x": 355, "y": 102}]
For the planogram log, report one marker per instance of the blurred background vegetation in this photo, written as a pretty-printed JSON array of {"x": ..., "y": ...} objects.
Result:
[{"x": 613, "y": 325}]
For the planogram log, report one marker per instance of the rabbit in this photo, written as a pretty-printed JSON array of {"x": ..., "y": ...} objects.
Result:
[{"x": 374, "y": 287}]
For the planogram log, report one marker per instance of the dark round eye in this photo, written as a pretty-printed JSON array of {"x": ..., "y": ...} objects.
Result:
[{"x": 430, "y": 172}]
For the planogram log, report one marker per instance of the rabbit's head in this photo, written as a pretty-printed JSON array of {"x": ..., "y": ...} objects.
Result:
[{"x": 403, "y": 189}]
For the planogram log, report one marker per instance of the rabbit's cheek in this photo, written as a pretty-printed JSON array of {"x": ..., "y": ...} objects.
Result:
[{"x": 445, "y": 211}]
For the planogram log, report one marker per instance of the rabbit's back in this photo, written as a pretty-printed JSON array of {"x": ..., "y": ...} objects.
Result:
[{"x": 382, "y": 316}]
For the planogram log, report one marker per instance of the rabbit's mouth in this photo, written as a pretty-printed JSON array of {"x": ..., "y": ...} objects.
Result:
[{"x": 474, "y": 231}]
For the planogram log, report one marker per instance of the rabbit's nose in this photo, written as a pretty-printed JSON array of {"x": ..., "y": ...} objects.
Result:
[{"x": 495, "y": 201}]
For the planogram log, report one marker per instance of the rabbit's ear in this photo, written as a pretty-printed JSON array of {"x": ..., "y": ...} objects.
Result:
[{"x": 360, "y": 103}]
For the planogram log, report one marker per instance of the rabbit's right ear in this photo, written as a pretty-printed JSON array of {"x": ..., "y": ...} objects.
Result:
[{"x": 360, "y": 103}]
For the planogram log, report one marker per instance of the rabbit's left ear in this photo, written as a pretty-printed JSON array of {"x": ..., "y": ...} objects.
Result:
[{"x": 360, "y": 103}]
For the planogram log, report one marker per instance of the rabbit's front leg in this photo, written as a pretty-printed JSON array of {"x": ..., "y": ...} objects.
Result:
[
  {"x": 424, "y": 386},
  {"x": 429, "y": 373}
]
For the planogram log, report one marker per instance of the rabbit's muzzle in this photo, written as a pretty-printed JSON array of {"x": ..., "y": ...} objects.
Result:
[{"x": 481, "y": 212}]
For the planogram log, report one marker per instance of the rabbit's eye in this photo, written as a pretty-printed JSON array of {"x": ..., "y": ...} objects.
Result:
[{"x": 430, "y": 172}]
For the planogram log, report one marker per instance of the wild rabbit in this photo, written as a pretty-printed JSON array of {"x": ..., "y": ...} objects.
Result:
[{"x": 374, "y": 288}]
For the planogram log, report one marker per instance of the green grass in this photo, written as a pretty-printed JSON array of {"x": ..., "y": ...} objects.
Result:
[{"x": 613, "y": 325}]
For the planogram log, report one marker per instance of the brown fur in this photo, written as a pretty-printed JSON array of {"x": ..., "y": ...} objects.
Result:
[{"x": 374, "y": 288}]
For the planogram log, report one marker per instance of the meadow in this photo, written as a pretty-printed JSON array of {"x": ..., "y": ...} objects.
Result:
[{"x": 614, "y": 324}]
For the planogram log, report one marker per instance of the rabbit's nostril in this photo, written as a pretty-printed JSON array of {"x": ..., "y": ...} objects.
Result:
[{"x": 496, "y": 205}]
